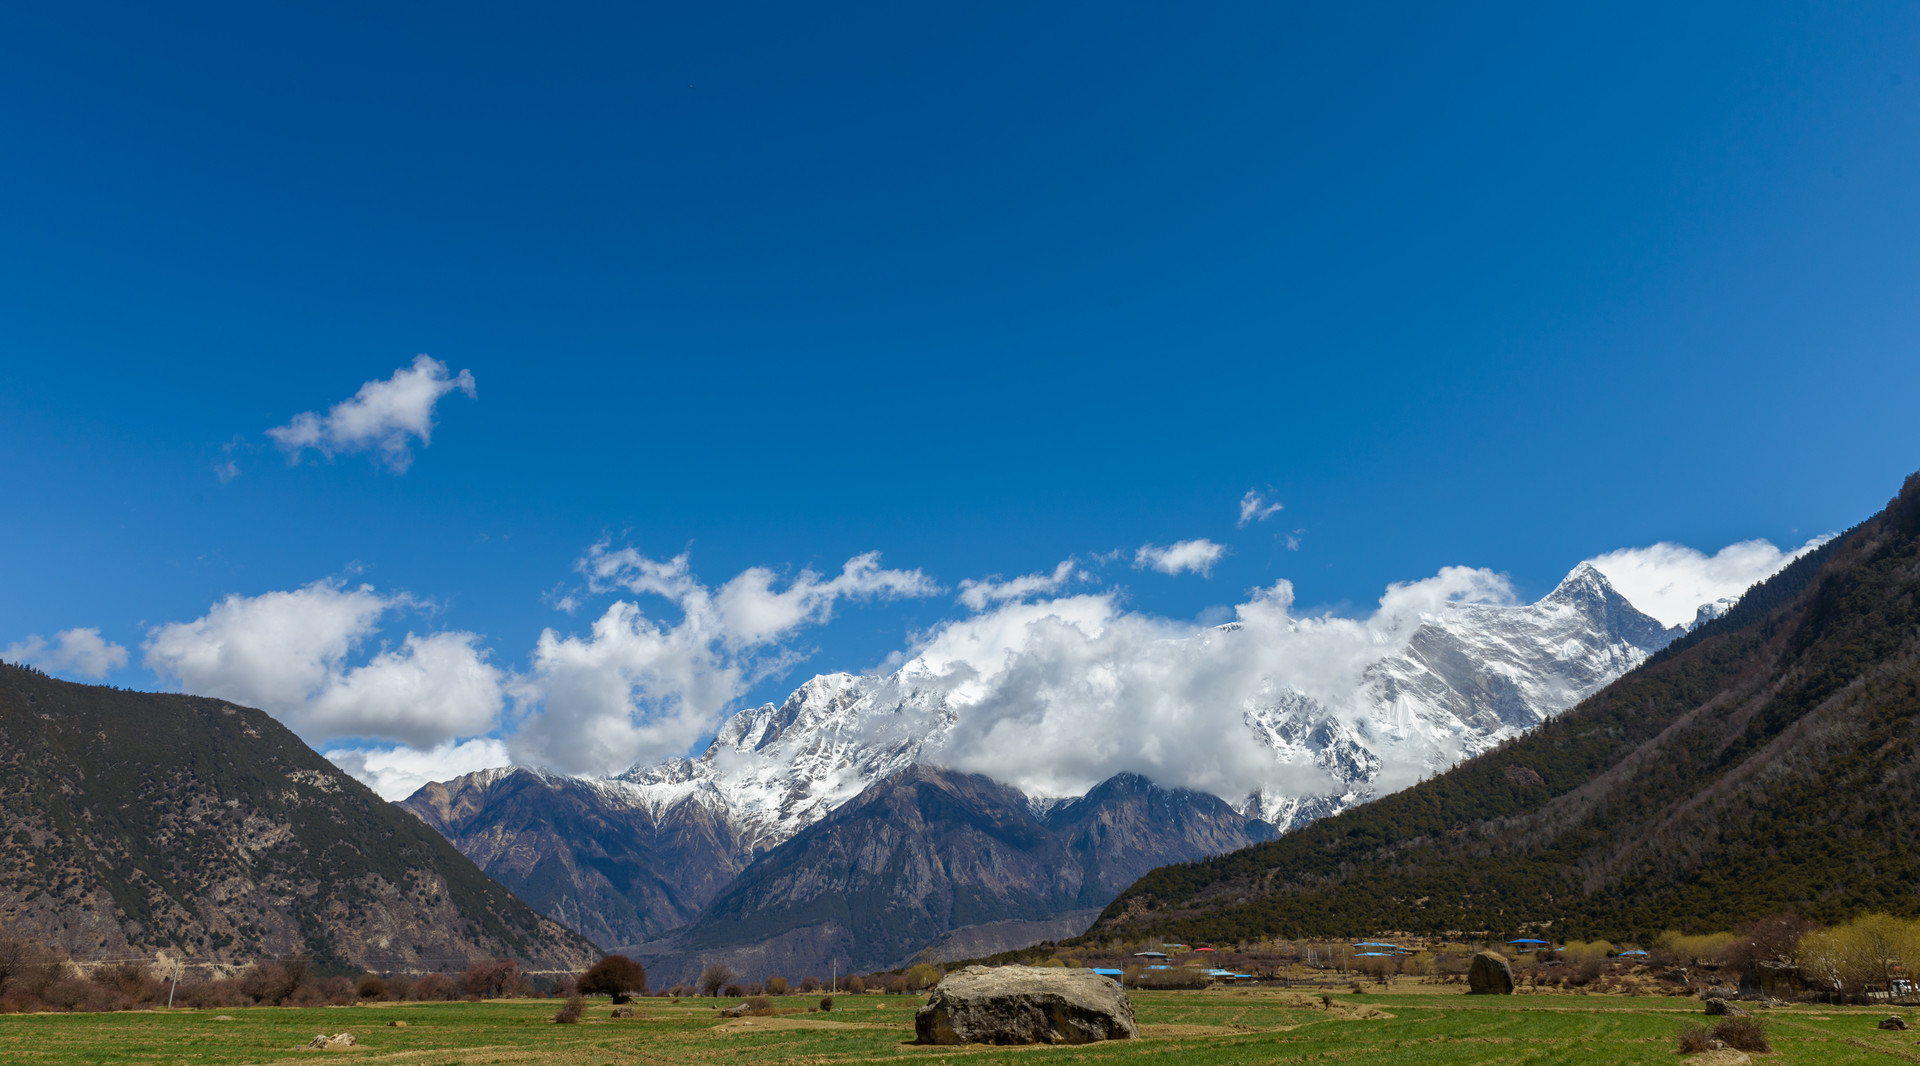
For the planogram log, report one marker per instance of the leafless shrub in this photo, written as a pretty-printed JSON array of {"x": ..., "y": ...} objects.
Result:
[
  {"x": 569, "y": 1014},
  {"x": 1743, "y": 1034},
  {"x": 1695, "y": 1038}
]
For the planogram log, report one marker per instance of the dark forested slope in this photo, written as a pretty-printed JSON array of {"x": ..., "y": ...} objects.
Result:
[
  {"x": 133, "y": 822},
  {"x": 1770, "y": 760}
]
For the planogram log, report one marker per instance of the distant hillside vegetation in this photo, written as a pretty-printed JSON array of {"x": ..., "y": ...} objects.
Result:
[
  {"x": 135, "y": 822},
  {"x": 1768, "y": 761}
]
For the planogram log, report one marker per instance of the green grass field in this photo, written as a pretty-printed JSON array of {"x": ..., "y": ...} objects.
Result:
[{"x": 1216, "y": 1026}]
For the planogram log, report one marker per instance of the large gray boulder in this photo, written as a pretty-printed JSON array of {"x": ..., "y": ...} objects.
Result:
[
  {"x": 1025, "y": 1005},
  {"x": 1490, "y": 975}
]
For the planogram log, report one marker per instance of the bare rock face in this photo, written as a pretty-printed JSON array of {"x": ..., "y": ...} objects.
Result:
[
  {"x": 1490, "y": 975},
  {"x": 1025, "y": 1005}
]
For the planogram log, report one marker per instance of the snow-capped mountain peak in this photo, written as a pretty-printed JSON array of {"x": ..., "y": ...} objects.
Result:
[{"x": 1456, "y": 682}]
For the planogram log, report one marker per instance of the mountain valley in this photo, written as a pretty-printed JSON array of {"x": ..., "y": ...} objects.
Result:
[{"x": 747, "y": 851}]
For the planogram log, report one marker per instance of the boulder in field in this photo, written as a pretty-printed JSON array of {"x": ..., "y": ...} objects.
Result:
[
  {"x": 1490, "y": 975},
  {"x": 1895, "y": 1022},
  {"x": 1720, "y": 1006},
  {"x": 1025, "y": 1005}
]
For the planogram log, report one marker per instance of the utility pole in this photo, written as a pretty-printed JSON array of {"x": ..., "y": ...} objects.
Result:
[
  {"x": 175, "y": 986},
  {"x": 833, "y": 983}
]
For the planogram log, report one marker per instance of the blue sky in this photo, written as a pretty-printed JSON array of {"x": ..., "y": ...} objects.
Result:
[{"x": 978, "y": 287}]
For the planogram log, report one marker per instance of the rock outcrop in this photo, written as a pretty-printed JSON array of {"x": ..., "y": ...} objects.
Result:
[
  {"x": 1025, "y": 1005},
  {"x": 1490, "y": 975}
]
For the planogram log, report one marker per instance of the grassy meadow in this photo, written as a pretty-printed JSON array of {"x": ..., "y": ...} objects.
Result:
[{"x": 1439, "y": 1025}]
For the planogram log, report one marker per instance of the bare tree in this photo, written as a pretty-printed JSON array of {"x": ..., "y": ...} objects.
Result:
[{"x": 714, "y": 977}]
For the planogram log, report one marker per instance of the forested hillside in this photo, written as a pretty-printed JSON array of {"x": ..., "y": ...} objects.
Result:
[
  {"x": 1768, "y": 761},
  {"x": 138, "y": 822}
]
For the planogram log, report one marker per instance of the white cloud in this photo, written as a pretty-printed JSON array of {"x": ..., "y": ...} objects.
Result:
[
  {"x": 981, "y": 594},
  {"x": 383, "y": 415},
  {"x": 1671, "y": 581},
  {"x": 287, "y": 654},
  {"x": 1255, "y": 508},
  {"x": 636, "y": 688},
  {"x": 1056, "y": 696},
  {"x": 80, "y": 652},
  {"x": 1196, "y": 555},
  {"x": 398, "y": 772}
]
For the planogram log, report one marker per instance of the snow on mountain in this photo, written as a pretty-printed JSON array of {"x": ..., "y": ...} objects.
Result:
[
  {"x": 1710, "y": 611},
  {"x": 1470, "y": 676},
  {"x": 1455, "y": 682}
]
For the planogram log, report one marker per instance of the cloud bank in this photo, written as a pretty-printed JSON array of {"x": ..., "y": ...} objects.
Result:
[
  {"x": 636, "y": 688},
  {"x": 1054, "y": 697},
  {"x": 1671, "y": 581},
  {"x": 1047, "y": 690},
  {"x": 79, "y": 652},
  {"x": 287, "y": 654},
  {"x": 384, "y": 416}
]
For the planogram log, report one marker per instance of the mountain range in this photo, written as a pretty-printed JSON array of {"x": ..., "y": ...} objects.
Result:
[
  {"x": 783, "y": 844},
  {"x": 1769, "y": 761}
]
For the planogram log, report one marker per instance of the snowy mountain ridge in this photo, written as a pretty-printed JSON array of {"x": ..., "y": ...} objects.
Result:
[{"x": 1464, "y": 678}]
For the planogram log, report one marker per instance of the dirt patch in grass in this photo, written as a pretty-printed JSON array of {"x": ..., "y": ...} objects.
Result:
[
  {"x": 1168, "y": 1032},
  {"x": 767, "y": 1025},
  {"x": 1722, "y": 1057}
]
